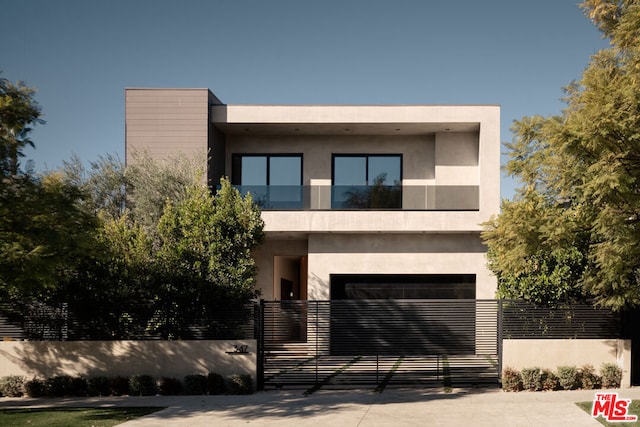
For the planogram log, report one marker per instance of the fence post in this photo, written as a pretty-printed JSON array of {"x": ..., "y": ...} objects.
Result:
[
  {"x": 317, "y": 333},
  {"x": 260, "y": 342},
  {"x": 499, "y": 335}
]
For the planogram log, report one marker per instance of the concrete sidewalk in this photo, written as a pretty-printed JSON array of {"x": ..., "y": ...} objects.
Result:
[{"x": 477, "y": 407}]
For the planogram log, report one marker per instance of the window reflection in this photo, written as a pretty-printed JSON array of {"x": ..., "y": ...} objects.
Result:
[
  {"x": 367, "y": 182},
  {"x": 274, "y": 181}
]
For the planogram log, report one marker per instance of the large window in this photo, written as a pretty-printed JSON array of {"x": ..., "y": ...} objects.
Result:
[
  {"x": 274, "y": 180},
  {"x": 367, "y": 181}
]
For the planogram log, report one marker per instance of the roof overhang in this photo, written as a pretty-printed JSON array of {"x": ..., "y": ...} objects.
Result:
[{"x": 350, "y": 119}]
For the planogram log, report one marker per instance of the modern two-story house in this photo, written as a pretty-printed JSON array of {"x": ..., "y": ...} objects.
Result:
[{"x": 359, "y": 201}]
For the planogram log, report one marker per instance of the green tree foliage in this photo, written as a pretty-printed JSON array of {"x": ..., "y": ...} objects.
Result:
[
  {"x": 151, "y": 184},
  {"x": 43, "y": 233},
  {"x": 19, "y": 112},
  {"x": 126, "y": 251},
  {"x": 575, "y": 223},
  {"x": 195, "y": 259},
  {"x": 43, "y": 229}
]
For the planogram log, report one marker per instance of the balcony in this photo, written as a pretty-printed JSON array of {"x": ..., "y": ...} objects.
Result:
[{"x": 394, "y": 197}]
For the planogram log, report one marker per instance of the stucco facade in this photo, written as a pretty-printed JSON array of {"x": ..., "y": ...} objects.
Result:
[{"x": 445, "y": 160}]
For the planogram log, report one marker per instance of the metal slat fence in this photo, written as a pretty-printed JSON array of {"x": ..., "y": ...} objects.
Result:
[
  {"x": 522, "y": 320},
  {"x": 36, "y": 321},
  {"x": 378, "y": 343}
]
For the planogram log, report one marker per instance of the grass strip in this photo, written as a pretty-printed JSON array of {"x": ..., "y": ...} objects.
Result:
[
  {"x": 64, "y": 417},
  {"x": 446, "y": 375},
  {"x": 385, "y": 381},
  {"x": 326, "y": 380},
  {"x": 634, "y": 409}
]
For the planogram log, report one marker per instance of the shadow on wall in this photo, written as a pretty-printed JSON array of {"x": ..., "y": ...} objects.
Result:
[{"x": 126, "y": 358}]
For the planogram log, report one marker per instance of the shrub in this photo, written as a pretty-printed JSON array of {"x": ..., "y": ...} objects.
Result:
[
  {"x": 568, "y": 377},
  {"x": 12, "y": 386},
  {"x": 588, "y": 378},
  {"x": 142, "y": 385},
  {"x": 78, "y": 386},
  {"x": 58, "y": 386},
  {"x": 511, "y": 380},
  {"x": 550, "y": 380},
  {"x": 119, "y": 386},
  {"x": 35, "y": 388},
  {"x": 611, "y": 375},
  {"x": 239, "y": 384},
  {"x": 195, "y": 385},
  {"x": 215, "y": 383},
  {"x": 531, "y": 379},
  {"x": 170, "y": 386},
  {"x": 98, "y": 386}
]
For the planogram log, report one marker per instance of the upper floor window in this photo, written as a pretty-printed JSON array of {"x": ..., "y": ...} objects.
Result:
[
  {"x": 367, "y": 181},
  {"x": 274, "y": 180}
]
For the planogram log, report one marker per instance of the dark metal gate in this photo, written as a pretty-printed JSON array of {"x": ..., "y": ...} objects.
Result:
[{"x": 378, "y": 344}]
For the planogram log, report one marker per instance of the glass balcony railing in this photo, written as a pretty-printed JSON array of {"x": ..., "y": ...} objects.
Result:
[{"x": 393, "y": 197}]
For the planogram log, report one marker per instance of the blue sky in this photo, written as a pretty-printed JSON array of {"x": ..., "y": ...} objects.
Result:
[{"x": 82, "y": 54}]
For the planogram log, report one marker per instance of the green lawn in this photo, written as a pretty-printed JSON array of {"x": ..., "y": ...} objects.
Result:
[
  {"x": 65, "y": 417},
  {"x": 634, "y": 409}
]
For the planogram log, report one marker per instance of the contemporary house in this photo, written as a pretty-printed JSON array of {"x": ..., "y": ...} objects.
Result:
[{"x": 359, "y": 202}]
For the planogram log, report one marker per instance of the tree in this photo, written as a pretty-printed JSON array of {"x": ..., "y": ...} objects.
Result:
[
  {"x": 204, "y": 256},
  {"x": 151, "y": 183},
  {"x": 578, "y": 212},
  {"x": 164, "y": 273},
  {"x": 43, "y": 233},
  {"x": 18, "y": 113}
]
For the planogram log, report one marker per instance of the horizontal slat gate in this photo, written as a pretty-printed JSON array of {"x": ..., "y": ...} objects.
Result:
[{"x": 379, "y": 343}]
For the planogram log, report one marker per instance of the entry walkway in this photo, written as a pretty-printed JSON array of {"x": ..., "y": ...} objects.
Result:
[{"x": 475, "y": 407}]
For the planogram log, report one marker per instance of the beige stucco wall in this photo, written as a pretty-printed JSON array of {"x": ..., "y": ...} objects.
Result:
[
  {"x": 418, "y": 160},
  {"x": 126, "y": 358},
  {"x": 396, "y": 254},
  {"x": 552, "y": 353},
  {"x": 357, "y": 253}
]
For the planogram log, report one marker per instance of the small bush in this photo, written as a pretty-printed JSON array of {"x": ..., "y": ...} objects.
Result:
[
  {"x": 170, "y": 386},
  {"x": 35, "y": 388},
  {"x": 119, "y": 386},
  {"x": 215, "y": 383},
  {"x": 588, "y": 378},
  {"x": 142, "y": 385},
  {"x": 239, "y": 384},
  {"x": 12, "y": 386},
  {"x": 195, "y": 385},
  {"x": 58, "y": 386},
  {"x": 611, "y": 375},
  {"x": 78, "y": 386},
  {"x": 531, "y": 379},
  {"x": 511, "y": 380},
  {"x": 568, "y": 377},
  {"x": 98, "y": 386},
  {"x": 550, "y": 380}
]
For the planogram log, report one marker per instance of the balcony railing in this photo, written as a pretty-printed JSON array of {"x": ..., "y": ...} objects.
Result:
[{"x": 392, "y": 197}]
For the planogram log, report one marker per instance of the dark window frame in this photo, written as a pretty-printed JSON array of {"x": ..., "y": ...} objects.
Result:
[
  {"x": 366, "y": 155},
  {"x": 369, "y": 180},
  {"x": 236, "y": 168}
]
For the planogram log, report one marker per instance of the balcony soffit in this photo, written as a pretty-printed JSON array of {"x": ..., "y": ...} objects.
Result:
[{"x": 398, "y": 129}]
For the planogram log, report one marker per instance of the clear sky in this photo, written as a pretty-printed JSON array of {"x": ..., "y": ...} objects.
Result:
[{"x": 82, "y": 54}]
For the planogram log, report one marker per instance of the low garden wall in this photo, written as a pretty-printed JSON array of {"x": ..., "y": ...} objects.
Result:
[
  {"x": 551, "y": 353},
  {"x": 46, "y": 359}
]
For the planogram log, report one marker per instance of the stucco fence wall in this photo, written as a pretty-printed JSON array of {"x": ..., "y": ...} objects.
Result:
[
  {"x": 551, "y": 353},
  {"x": 45, "y": 359}
]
